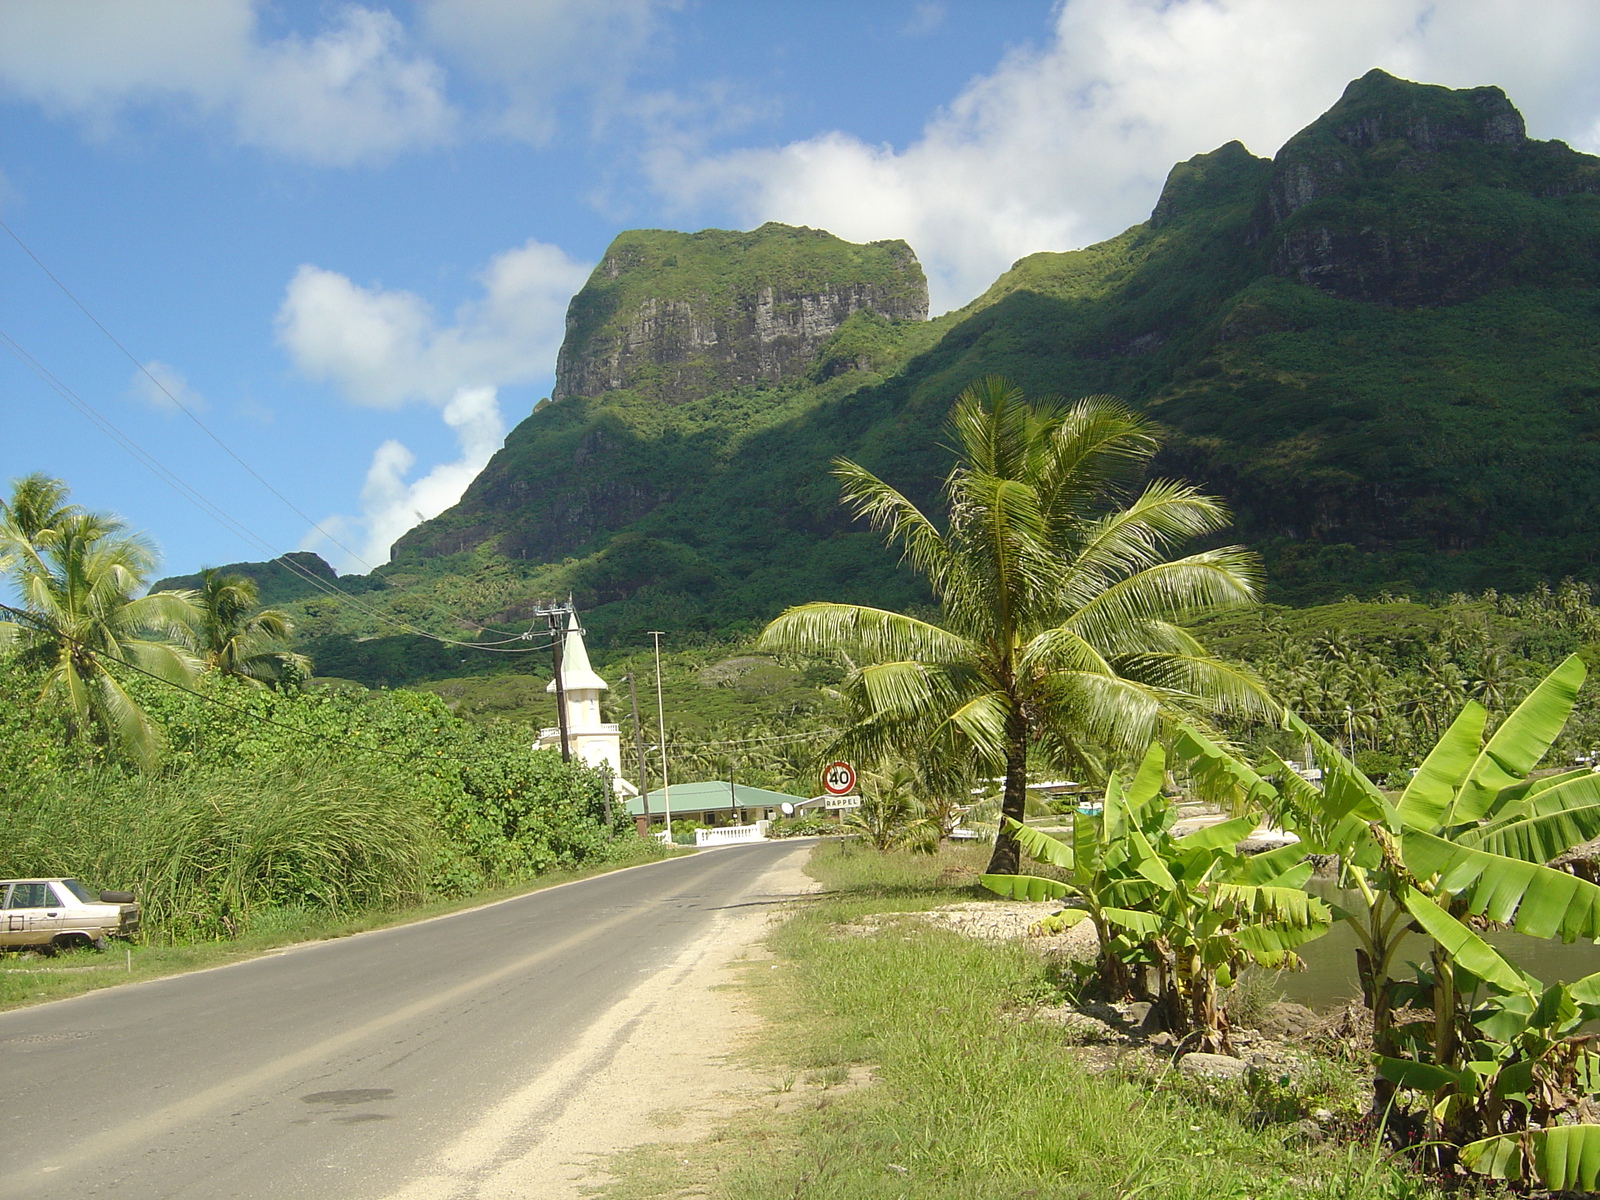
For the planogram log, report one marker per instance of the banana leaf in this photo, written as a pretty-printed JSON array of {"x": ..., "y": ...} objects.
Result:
[
  {"x": 1418, "y": 1076},
  {"x": 1026, "y": 887},
  {"x": 1423, "y": 803},
  {"x": 1143, "y": 923},
  {"x": 1532, "y": 787},
  {"x": 1345, "y": 790},
  {"x": 1466, "y": 947},
  {"x": 1283, "y": 867},
  {"x": 1147, "y": 863},
  {"x": 1563, "y": 1159},
  {"x": 1534, "y": 899},
  {"x": 1224, "y": 835},
  {"x": 1041, "y": 846},
  {"x": 1543, "y": 824},
  {"x": 1586, "y": 990},
  {"x": 1280, "y": 904},
  {"x": 1146, "y": 785},
  {"x": 1059, "y": 922},
  {"x": 1518, "y": 744},
  {"x": 1114, "y": 815},
  {"x": 1218, "y": 776}
]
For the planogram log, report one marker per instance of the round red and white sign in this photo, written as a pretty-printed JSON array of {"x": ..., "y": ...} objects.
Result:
[{"x": 839, "y": 779}]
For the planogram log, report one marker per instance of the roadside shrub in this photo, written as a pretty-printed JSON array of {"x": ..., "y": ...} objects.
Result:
[
  {"x": 329, "y": 800},
  {"x": 806, "y": 826},
  {"x": 207, "y": 851}
]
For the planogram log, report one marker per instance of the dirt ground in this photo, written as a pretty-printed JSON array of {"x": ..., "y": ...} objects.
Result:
[{"x": 639, "y": 1075}]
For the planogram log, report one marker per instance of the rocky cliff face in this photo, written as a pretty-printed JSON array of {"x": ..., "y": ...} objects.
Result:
[
  {"x": 665, "y": 321},
  {"x": 1380, "y": 199},
  {"x": 674, "y": 316}
]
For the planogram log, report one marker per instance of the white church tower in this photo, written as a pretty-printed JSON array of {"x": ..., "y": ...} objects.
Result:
[{"x": 592, "y": 740}]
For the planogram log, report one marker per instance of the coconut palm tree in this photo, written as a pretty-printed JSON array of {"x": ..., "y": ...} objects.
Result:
[
  {"x": 236, "y": 640},
  {"x": 1059, "y": 606},
  {"x": 78, "y": 574},
  {"x": 37, "y": 503}
]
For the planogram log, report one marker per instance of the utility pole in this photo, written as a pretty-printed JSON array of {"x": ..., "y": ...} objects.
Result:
[
  {"x": 661, "y": 719},
  {"x": 558, "y": 636},
  {"x": 733, "y": 791},
  {"x": 638, "y": 743},
  {"x": 557, "y": 615}
]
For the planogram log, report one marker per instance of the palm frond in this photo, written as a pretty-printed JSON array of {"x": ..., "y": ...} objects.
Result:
[
  {"x": 887, "y": 510},
  {"x": 1211, "y": 581},
  {"x": 872, "y": 634}
]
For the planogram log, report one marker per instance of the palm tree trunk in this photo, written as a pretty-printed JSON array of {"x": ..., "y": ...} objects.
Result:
[{"x": 1007, "y": 857}]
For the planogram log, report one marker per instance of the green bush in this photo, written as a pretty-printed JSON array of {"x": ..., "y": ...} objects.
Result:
[
  {"x": 805, "y": 826},
  {"x": 329, "y": 800},
  {"x": 209, "y": 850}
]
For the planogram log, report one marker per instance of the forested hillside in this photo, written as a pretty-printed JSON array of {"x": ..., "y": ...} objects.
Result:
[{"x": 1382, "y": 347}]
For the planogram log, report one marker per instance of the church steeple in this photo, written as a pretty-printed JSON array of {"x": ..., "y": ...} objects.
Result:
[
  {"x": 576, "y": 673},
  {"x": 592, "y": 740}
]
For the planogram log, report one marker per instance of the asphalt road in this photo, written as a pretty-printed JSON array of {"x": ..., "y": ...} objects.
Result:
[{"x": 338, "y": 1069}]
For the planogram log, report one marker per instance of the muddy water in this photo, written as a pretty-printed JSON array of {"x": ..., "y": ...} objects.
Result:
[{"x": 1330, "y": 974}]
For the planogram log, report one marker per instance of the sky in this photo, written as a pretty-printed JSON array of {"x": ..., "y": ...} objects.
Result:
[{"x": 311, "y": 260}]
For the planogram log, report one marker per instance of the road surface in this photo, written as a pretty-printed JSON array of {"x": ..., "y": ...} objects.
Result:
[{"x": 405, "y": 1063}]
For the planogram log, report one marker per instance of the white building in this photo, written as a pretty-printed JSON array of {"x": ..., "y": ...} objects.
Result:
[{"x": 592, "y": 740}]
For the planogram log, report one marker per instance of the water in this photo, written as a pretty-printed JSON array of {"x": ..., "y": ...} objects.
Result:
[{"x": 1330, "y": 975}]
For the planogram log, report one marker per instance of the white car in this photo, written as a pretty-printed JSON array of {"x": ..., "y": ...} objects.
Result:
[{"x": 62, "y": 913}]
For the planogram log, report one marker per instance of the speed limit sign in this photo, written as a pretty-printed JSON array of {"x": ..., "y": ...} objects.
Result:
[{"x": 839, "y": 779}]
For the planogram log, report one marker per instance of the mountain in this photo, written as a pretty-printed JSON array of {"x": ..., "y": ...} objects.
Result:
[{"x": 1381, "y": 345}]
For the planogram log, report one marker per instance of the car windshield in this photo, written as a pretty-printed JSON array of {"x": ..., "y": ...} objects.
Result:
[{"x": 81, "y": 892}]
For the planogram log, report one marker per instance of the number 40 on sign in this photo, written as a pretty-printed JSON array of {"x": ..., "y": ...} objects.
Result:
[{"x": 838, "y": 779}]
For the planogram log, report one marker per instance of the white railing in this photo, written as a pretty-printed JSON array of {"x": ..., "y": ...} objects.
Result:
[
  {"x": 553, "y": 734},
  {"x": 729, "y": 834}
]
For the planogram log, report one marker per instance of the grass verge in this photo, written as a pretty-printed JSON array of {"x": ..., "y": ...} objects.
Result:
[
  {"x": 32, "y": 978},
  {"x": 969, "y": 1102}
]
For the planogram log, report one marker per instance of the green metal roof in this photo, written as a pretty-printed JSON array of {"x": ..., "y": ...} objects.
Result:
[{"x": 711, "y": 795}]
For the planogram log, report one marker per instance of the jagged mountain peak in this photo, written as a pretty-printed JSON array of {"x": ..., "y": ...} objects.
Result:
[{"x": 673, "y": 316}]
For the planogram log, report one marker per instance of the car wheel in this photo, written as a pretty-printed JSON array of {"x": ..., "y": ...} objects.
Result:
[{"x": 70, "y": 941}]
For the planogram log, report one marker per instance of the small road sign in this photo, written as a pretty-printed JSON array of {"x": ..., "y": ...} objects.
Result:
[
  {"x": 833, "y": 803},
  {"x": 838, "y": 779}
]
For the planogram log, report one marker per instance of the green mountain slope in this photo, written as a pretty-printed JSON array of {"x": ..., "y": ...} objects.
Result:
[{"x": 1383, "y": 346}]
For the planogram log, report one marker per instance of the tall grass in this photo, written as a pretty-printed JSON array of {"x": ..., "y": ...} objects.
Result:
[{"x": 208, "y": 851}]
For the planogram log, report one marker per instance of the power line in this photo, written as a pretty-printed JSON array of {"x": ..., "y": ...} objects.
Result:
[
  {"x": 784, "y": 737},
  {"x": 182, "y": 407},
  {"x": 228, "y": 450},
  {"x": 197, "y": 498}
]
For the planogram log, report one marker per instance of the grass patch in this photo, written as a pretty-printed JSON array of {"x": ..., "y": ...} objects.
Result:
[
  {"x": 32, "y": 978},
  {"x": 968, "y": 1103}
]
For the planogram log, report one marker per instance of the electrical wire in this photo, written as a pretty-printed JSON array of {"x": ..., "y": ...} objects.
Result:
[
  {"x": 226, "y": 449},
  {"x": 785, "y": 737},
  {"x": 197, "y": 498}
]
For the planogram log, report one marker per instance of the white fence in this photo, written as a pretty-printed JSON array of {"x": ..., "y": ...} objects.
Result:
[{"x": 729, "y": 834}]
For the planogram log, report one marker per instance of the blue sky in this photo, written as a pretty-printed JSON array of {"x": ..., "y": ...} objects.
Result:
[{"x": 345, "y": 234}]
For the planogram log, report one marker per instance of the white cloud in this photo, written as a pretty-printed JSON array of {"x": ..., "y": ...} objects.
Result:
[
  {"x": 534, "y": 51},
  {"x": 392, "y": 504},
  {"x": 1068, "y": 144},
  {"x": 351, "y": 93},
  {"x": 163, "y": 388},
  {"x": 926, "y": 17},
  {"x": 383, "y": 349}
]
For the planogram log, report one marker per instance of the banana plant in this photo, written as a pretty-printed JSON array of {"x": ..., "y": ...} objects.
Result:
[
  {"x": 1109, "y": 864},
  {"x": 1191, "y": 906},
  {"x": 1525, "y": 1064},
  {"x": 1468, "y": 837}
]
